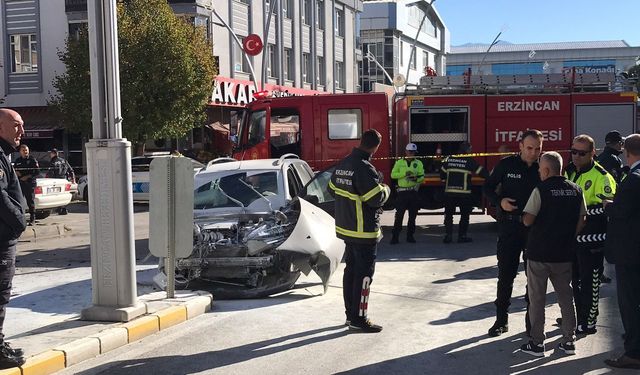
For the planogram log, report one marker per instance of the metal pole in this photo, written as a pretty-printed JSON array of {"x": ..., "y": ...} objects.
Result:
[
  {"x": 415, "y": 40},
  {"x": 235, "y": 37},
  {"x": 109, "y": 169},
  {"x": 495, "y": 41}
]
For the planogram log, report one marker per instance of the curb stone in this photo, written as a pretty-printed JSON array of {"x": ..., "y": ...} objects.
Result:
[{"x": 63, "y": 356}]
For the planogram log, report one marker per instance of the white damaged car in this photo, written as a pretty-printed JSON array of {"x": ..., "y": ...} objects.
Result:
[{"x": 257, "y": 226}]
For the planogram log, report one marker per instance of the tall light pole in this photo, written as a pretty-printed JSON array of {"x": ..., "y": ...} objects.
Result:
[
  {"x": 415, "y": 40},
  {"x": 113, "y": 274},
  {"x": 495, "y": 41}
]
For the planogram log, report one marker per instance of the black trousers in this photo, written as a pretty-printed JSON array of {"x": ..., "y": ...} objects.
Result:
[
  {"x": 406, "y": 201},
  {"x": 627, "y": 280},
  {"x": 466, "y": 206},
  {"x": 357, "y": 278},
  {"x": 28, "y": 193},
  {"x": 512, "y": 240},
  {"x": 587, "y": 268},
  {"x": 7, "y": 270}
]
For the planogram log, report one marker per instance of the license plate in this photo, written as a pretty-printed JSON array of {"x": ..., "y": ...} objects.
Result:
[{"x": 55, "y": 189}]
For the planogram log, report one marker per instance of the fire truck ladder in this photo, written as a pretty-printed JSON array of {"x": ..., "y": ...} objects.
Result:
[{"x": 570, "y": 81}]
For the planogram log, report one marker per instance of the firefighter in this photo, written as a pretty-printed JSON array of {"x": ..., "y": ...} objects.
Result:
[
  {"x": 456, "y": 173},
  {"x": 410, "y": 173},
  {"x": 60, "y": 168},
  {"x": 518, "y": 175},
  {"x": 12, "y": 224},
  {"x": 609, "y": 158},
  {"x": 27, "y": 169},
  {"x": 359, "y": 195},
  {"x": 597, "y": 184}
]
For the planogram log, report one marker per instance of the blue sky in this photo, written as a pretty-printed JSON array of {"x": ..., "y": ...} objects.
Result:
[{"x": 528, "y": 21}]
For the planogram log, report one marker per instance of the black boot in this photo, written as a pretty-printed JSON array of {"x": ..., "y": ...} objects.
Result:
[
  {"x": 7, "y": 360},
  {"x": 447, "y": 239},
  {"x": 498, "y": 328},
  {"x": 16, "y": 352},
  {"x": 410, "y": 238},
  {"x": 394, "y": 239}
]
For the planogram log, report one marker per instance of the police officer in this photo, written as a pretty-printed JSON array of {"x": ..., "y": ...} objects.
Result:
[
  {"x": 27, "y": 169},
  {"x": 518, "y": 176},
  {"x": 359, "y": 194},
  {"x": 60, "y": 168},
  {"x": 609, "y": 158},
  {"x": 409, "y": 173},
  {"x": 456, "y": 173},
  {"x": 12, "y": 224},
  {"x": 597, "y": 184}
]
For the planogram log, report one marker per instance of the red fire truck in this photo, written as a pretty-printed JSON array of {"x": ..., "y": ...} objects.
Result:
[{"x": 438, "y": 115}]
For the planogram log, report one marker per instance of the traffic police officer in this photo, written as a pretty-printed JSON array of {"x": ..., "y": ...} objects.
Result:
[
  {"x": 410, "y": 173},
  {"x": 27, "y": 169},
  {"x": 456, "y": 173},
  {"x": 609, "y": 158},
  {"x": 597, "y": 184},
  {"x": 359, "y": 194},
  {"x": 518, "y": 176},
  {"x": 12, "y": 224}
]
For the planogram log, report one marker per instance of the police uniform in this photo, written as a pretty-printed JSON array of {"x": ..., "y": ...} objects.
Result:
[
  {"x": 456, "y": 173},
  {"x": 59, "y": 168},
  {"x": 410, "y": 174},
  {"x": 517, "y": 181},
  {"x": 557, "y": 205},
  {"x": 610, "y": 160},
  {"x": 28, "y": 169},
  {"x": 595, "y": 181},
  {"x": 359, "y": 195},
  {"x": 12, "y": 224}
]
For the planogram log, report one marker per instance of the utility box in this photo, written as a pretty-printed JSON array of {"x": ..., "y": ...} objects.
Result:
[{"x": 171, "y": 207}]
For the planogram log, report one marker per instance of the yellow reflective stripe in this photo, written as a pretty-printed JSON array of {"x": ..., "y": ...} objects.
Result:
[
  {"x": 359, "y": 218},
  {"x": 343, "y": 193},
  {"x": 464, "y": 171},
  {"x": 372, "y": 192},
  {"x": 358, "y": 234}
]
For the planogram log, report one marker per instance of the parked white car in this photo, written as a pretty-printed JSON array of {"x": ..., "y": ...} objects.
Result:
[
  {"x": 51, "y": 193},
  {"x": 139, "y": 178}
]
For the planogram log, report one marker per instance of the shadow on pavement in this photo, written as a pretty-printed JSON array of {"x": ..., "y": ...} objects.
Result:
[
  {"x": 80, "y": 207},
  {"x": 196, "y": 363},
  {"x": 484, "y": 273}
]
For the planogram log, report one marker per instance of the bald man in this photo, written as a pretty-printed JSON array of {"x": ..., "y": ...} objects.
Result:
[{"x": 12, "y": 223}]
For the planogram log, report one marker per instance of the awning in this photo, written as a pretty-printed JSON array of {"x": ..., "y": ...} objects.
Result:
[{"x": 39, "y": 122}]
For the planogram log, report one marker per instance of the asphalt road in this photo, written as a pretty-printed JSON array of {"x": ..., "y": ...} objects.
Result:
[{"x": 434, "y": 301}]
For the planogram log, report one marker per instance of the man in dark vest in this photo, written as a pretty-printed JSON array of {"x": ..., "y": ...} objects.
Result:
[
  {"x": 555, "y": 212},
  {"x": 27, "y": 169},
  {"x": 623, "y": 249}
]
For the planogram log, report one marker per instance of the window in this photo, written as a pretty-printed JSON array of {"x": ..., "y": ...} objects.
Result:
[
  {"x": 345, "y": 123},
  {"x": 287, "y": 8},
  {"x": 425, "y": 59},
  {"x": 284, "y": 132},
  {"x": 76, "y": 28},
  {"x": 257, "y": 127},
  {"x": 24, "y": 53},
  {"x": 306, "y": 12},
  {"x": 457, "y": 70},
  {"x": 340, "y": 74},
  {"x": 306, "y": 68},
  {"x": 517, "y": 68},
  {"x": 239, "y": 62},
  {"x": 288, "y": 64},
  {"x": 412, "y": 63},
  {"x": 320, "y": 14},
  {"x": 322, "y": 76},
  {"x": 293, "y": 183},
  {"x": 272, "y": 62},
  {"x": 339, "y": 22}
]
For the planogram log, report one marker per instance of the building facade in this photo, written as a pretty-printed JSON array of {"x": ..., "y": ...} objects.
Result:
[
  {"x": 389, "y": 30},
  {"x": 537, "y": 58}
]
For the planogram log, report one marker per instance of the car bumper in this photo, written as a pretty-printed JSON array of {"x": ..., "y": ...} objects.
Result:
[{"x": 45, "y": 202}]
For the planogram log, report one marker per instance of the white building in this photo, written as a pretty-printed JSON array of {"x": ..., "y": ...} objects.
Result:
[{"x": 389, "y": 29}]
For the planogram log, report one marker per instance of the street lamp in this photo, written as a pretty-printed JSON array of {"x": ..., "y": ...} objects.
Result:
[
  {"x": 415, "y": 40},
  {"x": 370, "y": 56},
  {"x": 495, "y": 41}
]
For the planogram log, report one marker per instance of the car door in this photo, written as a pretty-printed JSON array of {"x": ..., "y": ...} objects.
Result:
[{"x": 317, "y": 191}]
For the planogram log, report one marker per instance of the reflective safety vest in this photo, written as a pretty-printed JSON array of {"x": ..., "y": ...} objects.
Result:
[
  {"x": 595, "y": 182},
  {"x": 457, "y": 172},
  {"x": 411, "y": 180},
  {"x": 359, "y": 195}
]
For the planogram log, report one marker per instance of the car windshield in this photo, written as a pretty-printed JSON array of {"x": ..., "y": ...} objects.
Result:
[{"x": 235, "y": 190}]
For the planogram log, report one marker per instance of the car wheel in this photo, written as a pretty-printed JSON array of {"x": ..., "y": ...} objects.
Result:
[
  {"x": 42, "y": 214},
  {"x": 85, "y": 194}
]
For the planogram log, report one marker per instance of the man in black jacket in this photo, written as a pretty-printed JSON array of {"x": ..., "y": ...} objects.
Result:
[
  {"x": 359, "y": 194},
  {"x": 518, "y": 176},
  {"x": 12, "y": 223},
  {"x": 60, "y": 168},
  {"x": 623, "y": 249},
  {"x": 609, "y": 158},
  {"x": 27, "y": 169}
]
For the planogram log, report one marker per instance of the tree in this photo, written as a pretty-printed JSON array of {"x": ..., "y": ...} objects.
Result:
[
  {"x": 166, "y": 74},
  {"x": 634, "y": 73}
]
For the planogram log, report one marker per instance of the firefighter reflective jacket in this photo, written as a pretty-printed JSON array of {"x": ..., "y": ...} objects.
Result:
[
  {"x": 409, "y": 173},
  {"x": 457, "y": 172},
  {"x": 359, "y": 194},
  {"x": 596, "y": 183}
]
